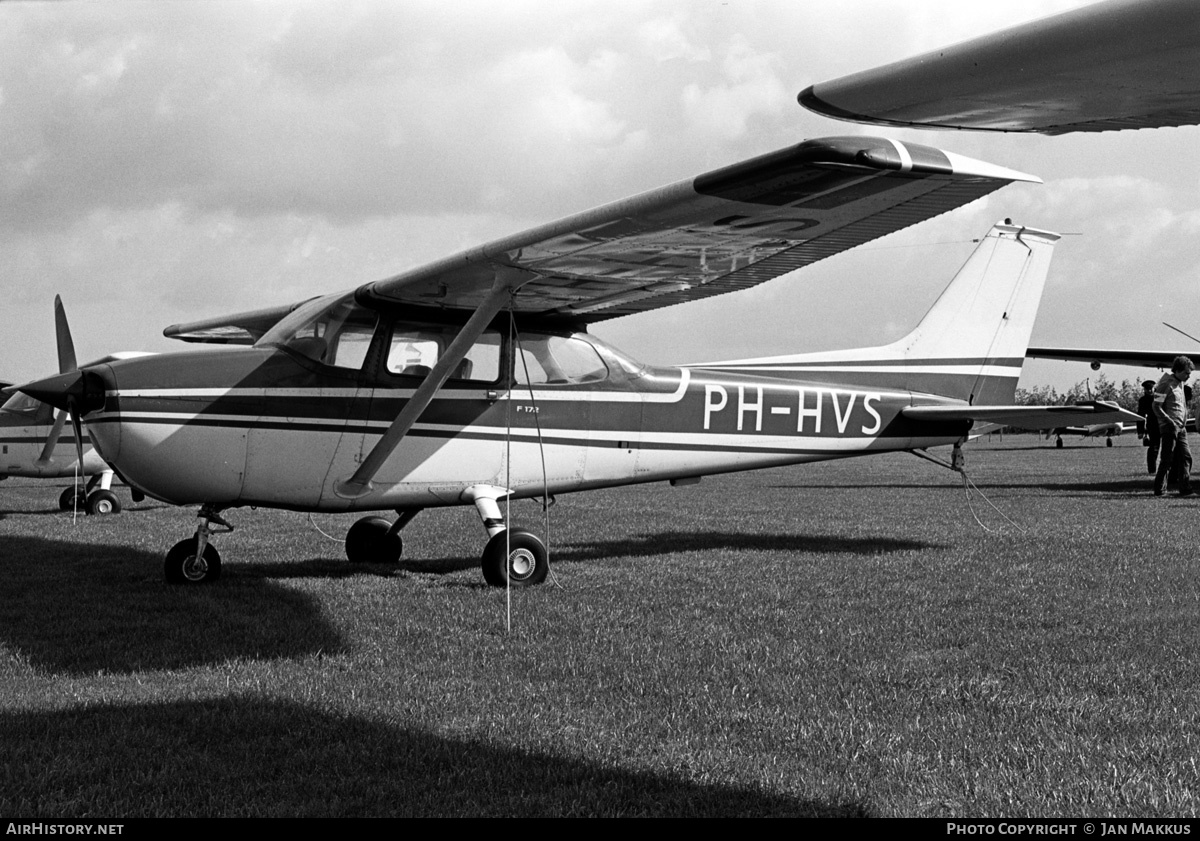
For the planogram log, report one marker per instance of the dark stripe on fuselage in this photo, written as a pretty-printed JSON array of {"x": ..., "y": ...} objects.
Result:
[
  {"x": 545, "y": 438},
  {"x": 770, "y": 367}
]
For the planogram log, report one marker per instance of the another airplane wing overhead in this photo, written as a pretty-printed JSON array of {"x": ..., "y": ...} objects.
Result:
[
  {"x": 1146, "y": 358},
  {"x": 1119, "y": 64},
  {"x": 243, "y": 328},
  {"x": 1027, "y": 417},
  {"x": 725, "y": 230}
]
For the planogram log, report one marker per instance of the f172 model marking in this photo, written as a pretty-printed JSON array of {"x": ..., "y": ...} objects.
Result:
[{"x": 367, "y": 400}]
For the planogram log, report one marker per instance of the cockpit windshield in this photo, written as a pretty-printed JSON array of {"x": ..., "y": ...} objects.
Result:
[
  {"x": 30, "y": 410},
  {"x": 333, "y": 330}
]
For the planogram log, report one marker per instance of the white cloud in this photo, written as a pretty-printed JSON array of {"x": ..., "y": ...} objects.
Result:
[{"x": 749, "y": 87}]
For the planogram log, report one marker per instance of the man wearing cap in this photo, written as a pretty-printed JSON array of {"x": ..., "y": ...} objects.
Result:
[
  {"x": 1148, "y": 428},
  {"x": 1170, "y": 407}
]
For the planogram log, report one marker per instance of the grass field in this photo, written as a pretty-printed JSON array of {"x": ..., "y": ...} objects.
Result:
[{"x": 837, "y": 639}]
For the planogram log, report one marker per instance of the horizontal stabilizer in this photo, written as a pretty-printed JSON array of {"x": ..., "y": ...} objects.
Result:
[{"x": 1027, "y": 417}]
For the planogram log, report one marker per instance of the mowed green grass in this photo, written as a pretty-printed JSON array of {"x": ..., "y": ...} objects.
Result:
[{"x": 834, "y": 639}]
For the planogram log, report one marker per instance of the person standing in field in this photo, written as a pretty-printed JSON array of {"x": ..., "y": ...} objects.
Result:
[
  {"x": 1149, "y": 426},
  {"x": 1170, "y": 407}
]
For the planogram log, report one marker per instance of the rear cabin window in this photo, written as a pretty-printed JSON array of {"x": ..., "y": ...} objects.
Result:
[
  {"x": 416, "y": 348},
  {"x": 557, "y": 360}
]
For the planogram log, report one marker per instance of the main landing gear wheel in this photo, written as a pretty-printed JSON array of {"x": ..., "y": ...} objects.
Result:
[
  {"x": 1108, "y": 442},
  {"x": 371, "y": 540},
  {"x": 103, "y": 502},
  {"x": 526, "y": 557},
  {"x": 71, "y": 498},
  {"x": 183, "y": 567},
  {"x": 1058, "y": 443}
]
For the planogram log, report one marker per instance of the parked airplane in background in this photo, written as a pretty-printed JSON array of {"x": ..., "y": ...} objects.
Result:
[
  {"x": 1119, "y": 64},
  {"x": 1098, "y": 356},
  {"x": 472, "y": 380},
  {"x": 31, "y": 446},
  {"x": 1107, "y": 431},
  {"x": 32, "y": 443}
]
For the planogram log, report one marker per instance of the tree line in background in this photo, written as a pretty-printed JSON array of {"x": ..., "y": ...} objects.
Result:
[{"x": 1126, "y": 394}]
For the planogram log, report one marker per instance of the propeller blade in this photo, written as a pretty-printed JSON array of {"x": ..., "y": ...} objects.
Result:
[
  {"x": 52, "y": 438},
  {"x": 78, "y": 425},
  {"x": 62, "y": 331}
]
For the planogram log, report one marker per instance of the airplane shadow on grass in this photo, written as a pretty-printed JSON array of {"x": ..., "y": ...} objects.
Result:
[
  {"x": 241, "y": 756},
  {"x": 1117, "y": 486},
  {"x": 79, "y": 609},
  {"x": 670, "y": 543}
]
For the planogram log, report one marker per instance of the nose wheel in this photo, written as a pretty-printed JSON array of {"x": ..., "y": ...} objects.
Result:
[
  {"x": 185, "y": 564},
  {"x": 195, "y": 560}
]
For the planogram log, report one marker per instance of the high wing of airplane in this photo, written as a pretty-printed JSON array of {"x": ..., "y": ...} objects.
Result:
[
  {"x": 473, "y": 380},
  {"x": 1099, "y": 356},
  {"x": 1119, "y": 64}
]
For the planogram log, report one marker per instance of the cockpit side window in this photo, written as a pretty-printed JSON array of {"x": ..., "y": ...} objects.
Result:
[
  {"x": 332, "y": 331},
  {"x": 557, "y": 360},
  {"x": 415, "y": 348}
]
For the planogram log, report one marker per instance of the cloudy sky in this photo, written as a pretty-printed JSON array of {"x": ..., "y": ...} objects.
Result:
[{"x": 162, "y": 162}]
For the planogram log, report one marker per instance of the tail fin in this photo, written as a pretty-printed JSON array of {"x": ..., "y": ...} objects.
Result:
[
  {"x": 984, "y": 318},
  {"x": 971, "y": 343}
]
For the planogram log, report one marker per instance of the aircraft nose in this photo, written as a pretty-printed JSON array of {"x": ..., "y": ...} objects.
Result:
[{"x": 83, "y": 388}]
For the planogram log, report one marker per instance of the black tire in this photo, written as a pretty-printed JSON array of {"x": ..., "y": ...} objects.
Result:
[
  {"x": 67, "y": 502},
  {"x": 103, "y": 502},
  {"x": 370, "y": 541},
  {"x": 1058, "y": 443},
  {"x": 525, "y": 551},
  {"x": 182, "y": 567},
  {"x": 1108, "y": 442}
]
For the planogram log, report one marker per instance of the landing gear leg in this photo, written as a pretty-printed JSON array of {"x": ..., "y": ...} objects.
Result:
[
  {"x": 196, "y": 561},
  {"x": 102, "y": 501},
  {"x": 513, "y": 556},
  {"x": 375, "y": 540}
]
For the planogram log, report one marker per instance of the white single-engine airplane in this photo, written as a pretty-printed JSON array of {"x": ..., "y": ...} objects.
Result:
[
  {"x": 472, "y": 379},
  {"x": 1107, "y": 431}
]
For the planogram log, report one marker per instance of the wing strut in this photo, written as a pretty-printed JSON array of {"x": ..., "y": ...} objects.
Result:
[{"x": 359, "y": 484}]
